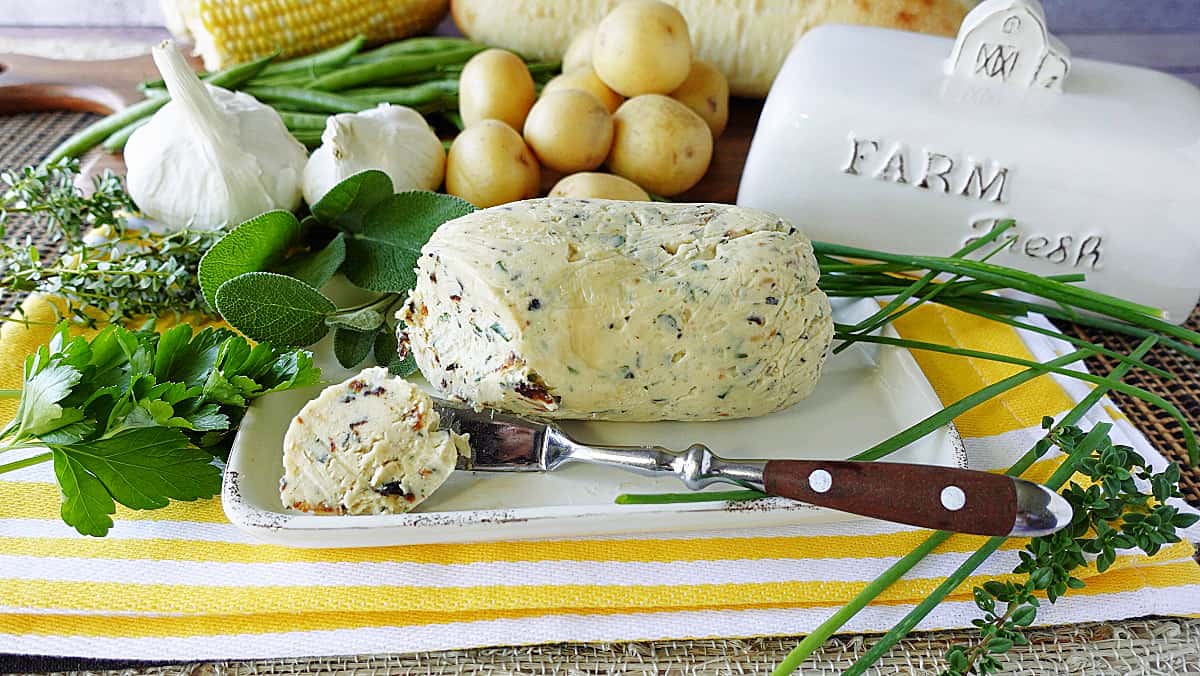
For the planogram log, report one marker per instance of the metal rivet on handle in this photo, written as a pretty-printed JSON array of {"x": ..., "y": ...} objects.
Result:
[
  {"x": 820, "y": 480},
  {"x": 953, "y": 498}
]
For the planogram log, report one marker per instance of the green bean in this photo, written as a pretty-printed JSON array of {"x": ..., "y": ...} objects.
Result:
[
  {"x": 422, "y": 45},
  {"x": 436, "y": 105},
  {"x": 297, "y": 121},
  {"x": 100, "y": 130},
  {"x": 536, "y": 68},
  {"x": 87, "y": 138},
  {"x": 397, "y": 66},
  {"x": 406, "y": 96},
  {"x": 455, "y": 119},
  {"x": 446, "y": 103},
  {"x": 116, "y": 141},
  {"x": 308, "y": 137},
  {"x": 287, "y": 79},
  {"x": 329, "y": 58},
  {"x": 409, "y": 79},
  {"x": 306, "y": 100},
  {"x": 230, "y": 78}
]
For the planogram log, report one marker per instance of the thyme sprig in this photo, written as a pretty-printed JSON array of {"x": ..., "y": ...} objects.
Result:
[
  {"x": 102, "y": 267},
  {"x": 1111, "y": 512},
  {"x": 51, "y": 198}
]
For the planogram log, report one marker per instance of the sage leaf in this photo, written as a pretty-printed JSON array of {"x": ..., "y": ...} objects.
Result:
[
  {"x": 381, "y": 255},
  {"x": 387, "y": 353},
  {"x": 316, "y": 267},
  {"x": 403, "y": 367},
  {"x": 346, "y": 204},
  {"x": 250, "y": 247},
  {"x": 271, "y": 307},
  {"x": 365, "y": 320},
  {"x": 387, "y": 347},
  {"x": 352, "y": 347}
]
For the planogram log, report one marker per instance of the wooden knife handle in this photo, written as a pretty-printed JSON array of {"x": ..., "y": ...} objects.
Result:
[{"x": 943, "y": 498}]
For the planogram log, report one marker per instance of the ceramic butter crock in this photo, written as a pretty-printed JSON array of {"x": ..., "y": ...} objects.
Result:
[{"x": 913, "y": 143}]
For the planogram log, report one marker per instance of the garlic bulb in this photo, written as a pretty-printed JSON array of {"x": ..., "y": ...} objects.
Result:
[
  {"x": 393, "y": 139},
  {"x": 210, "y": 157}
]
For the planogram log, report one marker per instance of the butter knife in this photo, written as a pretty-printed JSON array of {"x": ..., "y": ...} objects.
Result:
[{"x": 928, "y": 496}]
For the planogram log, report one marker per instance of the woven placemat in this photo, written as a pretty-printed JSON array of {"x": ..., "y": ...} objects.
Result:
[
  {"x": 1141, "y": 646},
  {"x": 1162, "y": 430}
]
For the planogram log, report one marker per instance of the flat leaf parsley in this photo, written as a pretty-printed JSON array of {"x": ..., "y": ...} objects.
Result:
[{"x": 139, "y": 418}]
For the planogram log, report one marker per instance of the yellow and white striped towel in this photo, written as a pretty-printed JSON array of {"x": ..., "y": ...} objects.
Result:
[{"x": 182, "y": 583}]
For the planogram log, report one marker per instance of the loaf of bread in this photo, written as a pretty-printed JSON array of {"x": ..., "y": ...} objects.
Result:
[{"x": 747, "y": 39}]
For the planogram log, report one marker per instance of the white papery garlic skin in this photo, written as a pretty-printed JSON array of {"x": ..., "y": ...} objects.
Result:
[
  {"x": 211, "y": 157},
  {"x": 393, "y": 139}
]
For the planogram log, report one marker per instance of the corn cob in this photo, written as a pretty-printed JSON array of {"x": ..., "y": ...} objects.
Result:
[{"x": 232, "y": 31}]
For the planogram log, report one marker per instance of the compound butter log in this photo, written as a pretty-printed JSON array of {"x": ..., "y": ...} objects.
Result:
[{"x": 620, "y": 311}]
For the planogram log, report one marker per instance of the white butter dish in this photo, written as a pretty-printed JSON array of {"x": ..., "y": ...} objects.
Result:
[{"x": 913, "y": 143}]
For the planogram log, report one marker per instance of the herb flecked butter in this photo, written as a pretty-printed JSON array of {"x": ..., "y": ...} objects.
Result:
[{"x": 620, "y": 310}]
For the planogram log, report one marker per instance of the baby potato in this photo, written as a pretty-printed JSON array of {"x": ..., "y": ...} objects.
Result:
[
  {"x": 585, "y": 78},
  {"x": 495, "y": 85},
  {"x": 594, "y": 185},
  {"x": 707, "y": 92},
  {"x": 569, "y": 130},
  {"x": 490, "y": 164},
  {"x": 642, "y": 47},
  {"x": 579, "y": 52},
  {"x": 660, "y": 144}
]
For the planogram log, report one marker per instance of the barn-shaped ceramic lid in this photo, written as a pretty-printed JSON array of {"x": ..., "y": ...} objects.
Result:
[{"x": 914, "y": 143}]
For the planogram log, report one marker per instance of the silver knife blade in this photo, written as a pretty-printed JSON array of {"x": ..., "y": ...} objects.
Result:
[{"x": 499, "y": 442}]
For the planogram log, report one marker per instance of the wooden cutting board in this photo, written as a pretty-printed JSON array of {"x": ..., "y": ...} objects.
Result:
[{"x": 30, "y": 84}]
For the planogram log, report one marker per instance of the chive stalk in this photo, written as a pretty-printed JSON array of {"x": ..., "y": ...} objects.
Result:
[{"x": 949, "y": 413}]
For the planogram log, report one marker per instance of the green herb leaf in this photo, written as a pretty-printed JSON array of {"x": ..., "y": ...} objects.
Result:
[
  {"x": 387, "y": 347},
  {"x": 86, "y": 504},
  {"x": 317, "y": 267},
  {"x": 1025, "y": 615},
  {"x": 126, "y": 414},
  {"x": 352, "y": 347},
  {"x": 141, "y": 468},
  {"x": 275, "y": 308},
  {"x": 381, "y": 254},
  {"x": 39, "y": 411},
  {"x": 403, "y": 367},
  {"x": 250, "y": 247},
  {"x": 184, "y": 358},
  {"x": 365, "y": 319},
  {"x": 387, "y": 353},
  {"x": 346, "y": 204}
]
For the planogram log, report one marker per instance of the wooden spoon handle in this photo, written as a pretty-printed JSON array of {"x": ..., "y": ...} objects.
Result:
[{"x": 943, "y": 498}]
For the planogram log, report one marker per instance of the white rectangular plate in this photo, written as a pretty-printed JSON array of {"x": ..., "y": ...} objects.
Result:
[{"x": 866, "y": 394}]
